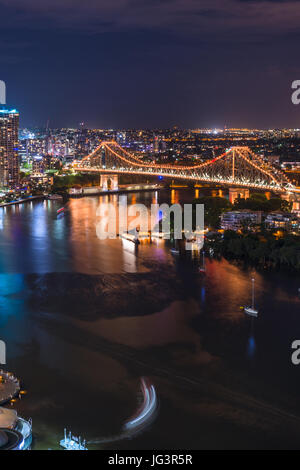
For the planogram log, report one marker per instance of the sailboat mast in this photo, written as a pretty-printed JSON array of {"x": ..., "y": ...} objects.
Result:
[{"x": 253, "y": 280}]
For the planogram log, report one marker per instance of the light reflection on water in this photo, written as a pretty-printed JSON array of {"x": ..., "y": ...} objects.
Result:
[{"x": 251, "y": 347}]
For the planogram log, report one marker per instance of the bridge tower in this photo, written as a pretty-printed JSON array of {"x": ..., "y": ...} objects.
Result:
[
  {"x": 114, "y": 182},
  {"x": 235, "y": 193}
]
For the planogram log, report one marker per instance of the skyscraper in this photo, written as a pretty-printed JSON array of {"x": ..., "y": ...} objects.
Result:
[{"x": 9, "y": 138}]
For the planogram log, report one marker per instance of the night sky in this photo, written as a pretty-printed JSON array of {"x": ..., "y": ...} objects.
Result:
[{"x": 151, "y": 63}]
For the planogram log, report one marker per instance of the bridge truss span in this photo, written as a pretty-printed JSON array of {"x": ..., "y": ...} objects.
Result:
[{"x": 238, "y": 166}]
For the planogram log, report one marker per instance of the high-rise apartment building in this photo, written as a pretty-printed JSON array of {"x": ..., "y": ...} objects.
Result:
[{"x": 9, "y": 140}]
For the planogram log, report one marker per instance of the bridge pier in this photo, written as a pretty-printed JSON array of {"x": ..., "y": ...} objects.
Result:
[
  {"x": 295, "y": 200},
  {"x": 106, "y": 179},
  {"x": 290, "y": 197},
  {"x": 235, "y": 193}
]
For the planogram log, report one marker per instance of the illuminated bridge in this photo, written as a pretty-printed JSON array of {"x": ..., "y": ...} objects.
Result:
[{"x": 238, "y": 166}]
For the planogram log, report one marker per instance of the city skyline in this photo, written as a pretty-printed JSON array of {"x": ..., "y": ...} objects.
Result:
[{"x": 142, "y": 65}]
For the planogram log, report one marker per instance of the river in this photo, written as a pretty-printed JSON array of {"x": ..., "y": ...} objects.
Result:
[{"x": 85, "y": 319}]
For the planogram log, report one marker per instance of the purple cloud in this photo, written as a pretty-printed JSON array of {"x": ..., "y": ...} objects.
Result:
[{"x": 180, "y": 16}]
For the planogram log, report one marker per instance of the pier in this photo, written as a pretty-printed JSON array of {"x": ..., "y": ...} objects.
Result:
[
  {"x": 9, "y": 386},
  {"x": 21, "y": 201},
  {"x": 121, "y": 189}
]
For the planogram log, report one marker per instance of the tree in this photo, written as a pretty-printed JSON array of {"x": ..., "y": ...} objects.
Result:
[
  {"x": 259, "y": 202},
  {"x": 213, "y": 208},
  {"x": 278, "y": 204}
]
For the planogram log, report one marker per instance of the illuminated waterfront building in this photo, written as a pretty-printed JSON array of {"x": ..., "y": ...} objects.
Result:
[
  {"x": 9, "y": 160},
  {"x": 235, "y": 220}
]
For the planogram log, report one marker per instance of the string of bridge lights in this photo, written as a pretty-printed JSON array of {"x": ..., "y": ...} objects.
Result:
[{"x": 279, "y": 181}]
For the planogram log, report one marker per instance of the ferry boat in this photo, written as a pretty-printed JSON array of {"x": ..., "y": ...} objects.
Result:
[
  {"x": 15, "y": 427},
  {"x": 251, "y": 310},
  {"x": 72, "y": 443}
]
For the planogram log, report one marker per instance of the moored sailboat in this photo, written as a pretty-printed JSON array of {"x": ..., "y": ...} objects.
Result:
[{"x": 252, "y": 311}]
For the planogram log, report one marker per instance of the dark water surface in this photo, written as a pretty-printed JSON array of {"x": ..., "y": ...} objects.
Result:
[{"x": 85, "y": 319}]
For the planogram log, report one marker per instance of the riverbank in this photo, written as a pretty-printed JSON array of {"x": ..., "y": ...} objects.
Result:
[{"x": 21, "y": 201}]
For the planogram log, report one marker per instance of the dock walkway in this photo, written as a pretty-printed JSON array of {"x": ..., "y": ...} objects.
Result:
[{"x": 9, "y": 386}]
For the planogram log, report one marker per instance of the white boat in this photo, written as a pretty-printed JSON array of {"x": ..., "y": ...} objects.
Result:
[
  {"x": 174, "y": 251},
  {"x": 251, "y": 311}
]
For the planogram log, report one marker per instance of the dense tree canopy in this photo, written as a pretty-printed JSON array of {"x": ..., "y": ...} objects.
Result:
[
  {"x": 261, "y": 249},
  {"x": 213, "y": 208},
  {"x": 259, "y": 202},
  {"x": 62, "y": 183}
]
